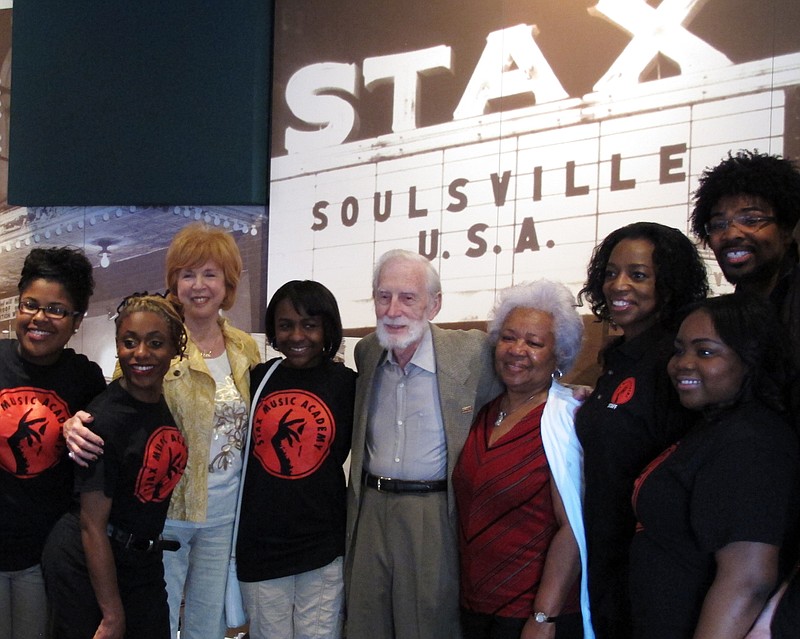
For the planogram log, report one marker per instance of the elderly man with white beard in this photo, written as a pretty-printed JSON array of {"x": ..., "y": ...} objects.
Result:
[{"x": 418, "y": 389}]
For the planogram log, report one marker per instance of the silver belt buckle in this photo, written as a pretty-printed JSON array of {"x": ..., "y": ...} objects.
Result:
[{"x": 379, "y": 483}]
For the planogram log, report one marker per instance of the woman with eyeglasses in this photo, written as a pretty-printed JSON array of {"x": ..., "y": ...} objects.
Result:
[{"x": 42, "y": 383}]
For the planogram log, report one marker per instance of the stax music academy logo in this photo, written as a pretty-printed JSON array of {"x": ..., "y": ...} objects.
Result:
[
  {"x": 624, "y": 393},
  {"x": 292, "y": 433},
  {"x": 164, "y": 461},
  {"x": 31, "y": 441}
]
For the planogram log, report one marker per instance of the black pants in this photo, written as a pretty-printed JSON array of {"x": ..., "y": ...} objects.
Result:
[
  {"x": 76, "y": 615},
  {"x": 475, "y": 625}
]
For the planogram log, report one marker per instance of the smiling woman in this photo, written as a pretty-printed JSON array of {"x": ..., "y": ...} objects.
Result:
[
  {"x": 705, "y": 371},
  {"x": 208, "y": 393},
  {"x": 630, "y": 286},
  {"x": 638, "y": 278},
  {"x": 710, "y": 527},
  {"x": 41, "y": 383},
  {"x": 45, "y": 321},
  {"x": 294, "y": 490},
  {"x": 517, "y": 481},
  {"x": 149, "y": 333},
  {"x": 103, "y": 566}
]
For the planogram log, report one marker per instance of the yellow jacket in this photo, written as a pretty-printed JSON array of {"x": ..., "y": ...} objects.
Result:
[{"x": 189, "y": 390}]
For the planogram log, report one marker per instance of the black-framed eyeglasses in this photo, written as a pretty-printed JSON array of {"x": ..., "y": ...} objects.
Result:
[
  {"x": 29, "y": 307},
  {"x": 744, "y": 221}
]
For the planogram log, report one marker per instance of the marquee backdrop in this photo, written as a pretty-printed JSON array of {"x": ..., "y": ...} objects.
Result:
[{"x": 503, "y": 140}]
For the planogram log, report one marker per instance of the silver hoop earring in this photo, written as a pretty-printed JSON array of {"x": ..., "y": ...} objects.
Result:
[{"x": 556, "y": 374}]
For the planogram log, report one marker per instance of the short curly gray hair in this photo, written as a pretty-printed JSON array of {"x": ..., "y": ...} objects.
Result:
[{"x": 549, "y": 297}]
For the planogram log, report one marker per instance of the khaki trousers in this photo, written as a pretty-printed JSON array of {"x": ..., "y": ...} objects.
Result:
[{"x": 404, "y": 580}]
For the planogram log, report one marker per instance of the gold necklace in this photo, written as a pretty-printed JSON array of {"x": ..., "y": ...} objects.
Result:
[
  {"x": 503, "y": 414},
  {"x": 206, "y": 354}
]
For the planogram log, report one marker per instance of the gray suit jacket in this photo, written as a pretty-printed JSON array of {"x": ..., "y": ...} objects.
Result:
[{"x": 466, "y": 380}]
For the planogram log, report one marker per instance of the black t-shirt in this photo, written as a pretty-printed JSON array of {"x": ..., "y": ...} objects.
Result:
[
  {"x": 294, "y": 503},
  {"x": 35, "y": 473},
  {"x": 143, "y": 458},
  {"x": 732, "y": 478},
  {"x": 786, "y": 297},
  {"x": 632, "y": 415}
]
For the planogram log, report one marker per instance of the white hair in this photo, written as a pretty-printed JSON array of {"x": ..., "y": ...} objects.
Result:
[
  {"x": 549, "y": 297},
  {"x": 432, "y": 282}
]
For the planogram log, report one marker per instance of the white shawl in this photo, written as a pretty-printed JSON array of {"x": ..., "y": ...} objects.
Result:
[{"x": 565, "y": 458}]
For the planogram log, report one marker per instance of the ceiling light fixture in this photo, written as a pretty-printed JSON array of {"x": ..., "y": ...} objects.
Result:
[{"x": 105, "y": 254}]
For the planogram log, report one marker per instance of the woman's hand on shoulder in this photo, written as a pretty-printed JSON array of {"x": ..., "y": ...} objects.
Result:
[
  {"x": 581, "y": 393},
  {"x": 83, "y": 445}
]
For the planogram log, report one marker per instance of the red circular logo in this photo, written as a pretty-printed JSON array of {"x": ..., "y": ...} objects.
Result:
[
  {"x": 164, "y": 461},
  {"x": 30, "y": 430},
  {"x": 624, "y": 391},
  {"x": 292, "y": 433}
]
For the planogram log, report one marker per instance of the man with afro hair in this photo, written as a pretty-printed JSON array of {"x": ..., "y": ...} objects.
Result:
[{"x": 746, "y": 209}]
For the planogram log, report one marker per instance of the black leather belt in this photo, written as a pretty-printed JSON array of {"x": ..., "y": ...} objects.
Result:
[
  {"x": 389, "y": 485},
  {"x": 132, "y": 542}
]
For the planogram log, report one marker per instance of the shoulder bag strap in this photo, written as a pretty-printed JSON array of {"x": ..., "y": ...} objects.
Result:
[{"x": 247, "y": 436}]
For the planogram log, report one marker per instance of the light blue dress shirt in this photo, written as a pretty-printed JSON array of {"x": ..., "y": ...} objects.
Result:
[{"x": 405, "y": 431}]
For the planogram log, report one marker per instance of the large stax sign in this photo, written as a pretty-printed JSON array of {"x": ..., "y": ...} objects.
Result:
[
  {"x": 497, "y": 194},
  {"x": 512, "y": 64}
]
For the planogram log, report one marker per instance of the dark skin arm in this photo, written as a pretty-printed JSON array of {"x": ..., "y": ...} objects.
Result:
[
  {"x": 562, "y": 567},
  {"x": 95, "y": 508},
  {"x": 761, "y": 628},
  {"x": 746, "y": 574}
]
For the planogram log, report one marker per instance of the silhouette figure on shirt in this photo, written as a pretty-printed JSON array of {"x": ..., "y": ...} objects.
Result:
[
  {"x": 284, "y": 438},
  {"x": 26, "y": 432}
]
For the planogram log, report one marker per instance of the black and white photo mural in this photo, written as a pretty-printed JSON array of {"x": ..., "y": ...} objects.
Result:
[{"x": 503, "y": 140}]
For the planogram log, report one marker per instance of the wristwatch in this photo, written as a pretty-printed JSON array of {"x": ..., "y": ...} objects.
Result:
[{"x": 540, "y": 617}]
